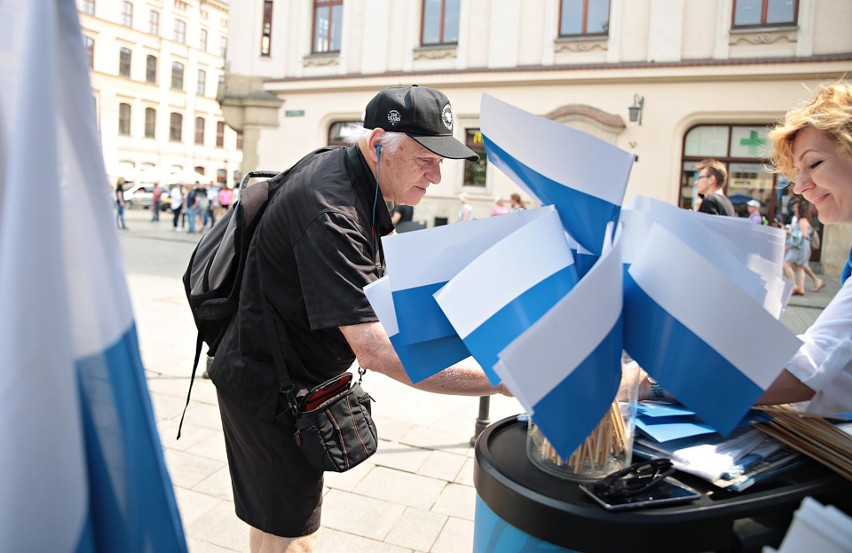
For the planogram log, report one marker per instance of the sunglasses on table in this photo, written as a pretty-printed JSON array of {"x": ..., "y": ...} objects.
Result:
[{"x": 634, "y": 479}]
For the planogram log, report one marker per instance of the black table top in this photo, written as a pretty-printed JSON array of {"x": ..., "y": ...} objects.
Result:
[{"x": 555, "y": 510}]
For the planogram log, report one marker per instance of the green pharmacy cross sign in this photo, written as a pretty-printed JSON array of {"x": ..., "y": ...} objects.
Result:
[{"x": 753, "y": 142}]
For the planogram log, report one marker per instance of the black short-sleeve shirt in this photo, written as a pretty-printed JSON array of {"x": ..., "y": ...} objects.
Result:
[{"x": 314, "y": 250}]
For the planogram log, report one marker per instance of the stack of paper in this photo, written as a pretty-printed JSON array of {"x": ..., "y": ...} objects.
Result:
[{"x": 735, "y": 462}]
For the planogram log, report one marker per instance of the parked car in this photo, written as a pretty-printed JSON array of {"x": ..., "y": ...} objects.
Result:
[{"x": 141, "y": 194}]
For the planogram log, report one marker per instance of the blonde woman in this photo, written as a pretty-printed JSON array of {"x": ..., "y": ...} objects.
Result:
[{"x": 813, "y": 148}]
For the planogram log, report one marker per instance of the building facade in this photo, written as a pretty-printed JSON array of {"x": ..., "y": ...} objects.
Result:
[
  {"x": 703, "y": 79},
  {"x": 155, "y": 67}
]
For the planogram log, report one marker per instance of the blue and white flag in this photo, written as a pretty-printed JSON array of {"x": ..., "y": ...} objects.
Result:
[
  {"x": 698, "y": 333},
  {"x": 566, "y": 368},
  {"x": 420, "y": 359},
  {"x": 502, "y": 292},
  {"x": 422, "y": 262},
  {"x": 81, "y": 468},
  {"x": 583, "y": 176},
  {"x": 752, "y": 256}
]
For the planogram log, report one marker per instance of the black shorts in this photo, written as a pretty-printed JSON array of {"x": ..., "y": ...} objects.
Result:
[{"x": 275, "y": 490}]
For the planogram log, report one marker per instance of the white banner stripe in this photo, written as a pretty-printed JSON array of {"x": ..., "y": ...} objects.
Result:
[
  {"x": 437, "y": 254},
  {"x": 706, "y": 301},
  {"x": 504, "y": 272},
  {"x": 582, "y": 162}
]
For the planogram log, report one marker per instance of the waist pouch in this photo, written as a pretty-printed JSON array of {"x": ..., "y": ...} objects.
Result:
[{"x": 334, "y": 428}]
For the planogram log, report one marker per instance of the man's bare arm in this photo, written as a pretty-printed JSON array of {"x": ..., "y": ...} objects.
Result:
[{"x": 374, "y": 351}]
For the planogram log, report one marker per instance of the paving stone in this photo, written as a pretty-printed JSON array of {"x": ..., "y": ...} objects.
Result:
[
  {"x": 360, "y": 515},
  {"x": 419, "y": 436},
  {"x": 465, "y": 475},
  {"x": 220, "y": 526},
  {"x": 401, "y": 487},
  {"x": 401, "y": 457},
  {"x": 188, "y": 470},
  {"x": 347, "y": 481},
  {"x": 417, "y": 529},
  {"x": 455, "y": 537},
  {"x": 193, "y": 504},
  {"x": 442, "y": 465},
  {"x": 217, "y": 484},
  {"x": 332, "y": 541},
  {"x": 198, "y": 546},
  {"x": 457, "y": 501}
]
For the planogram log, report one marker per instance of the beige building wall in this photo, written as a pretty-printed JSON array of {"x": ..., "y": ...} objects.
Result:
[
  {"x": 681, "y": 56},
  {"x": 125, "y": 155}
]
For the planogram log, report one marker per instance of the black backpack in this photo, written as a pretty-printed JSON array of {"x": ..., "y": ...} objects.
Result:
[{"x": 214, "y": 275}]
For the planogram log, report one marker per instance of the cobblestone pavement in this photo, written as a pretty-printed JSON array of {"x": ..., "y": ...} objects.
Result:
[{"x": 415, "y": 495}]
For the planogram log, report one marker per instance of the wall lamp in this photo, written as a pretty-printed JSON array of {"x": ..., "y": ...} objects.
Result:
[{"x": 636, "y": 109}]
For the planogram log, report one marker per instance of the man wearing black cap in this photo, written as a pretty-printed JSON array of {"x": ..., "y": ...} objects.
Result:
[{"x": 316, "y": 247}]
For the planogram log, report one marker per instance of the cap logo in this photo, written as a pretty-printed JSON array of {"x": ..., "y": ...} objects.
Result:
[
  {"x": 447, "y": 117},
  {"x": 394, "y": 117}
]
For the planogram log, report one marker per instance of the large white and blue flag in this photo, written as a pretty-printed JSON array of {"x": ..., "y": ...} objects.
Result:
[
  {"x": 511, "y": 285},
  {"x": 422, "y": 262},
  {"x": 583, "y": 176},
  {"x": 702, "y": 336},
  {"x": 566, "y": 368},
  {"x": 81, "y": 468},
  {"x": 419, "y": 359}
]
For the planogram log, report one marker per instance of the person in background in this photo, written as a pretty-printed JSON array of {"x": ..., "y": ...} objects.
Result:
[
  {"x": 212, "y": 205},
  {"x": 193, "y": 201},
  {"x": 516, "y": 204},
  {"x": 798, "y": 253},
  {"x": 156, "y": 196},
  {"x": 812, "y": 215},
  {"x": 119, "y": 204},
  {"x": 754, "y": 216},
  {"x": 466, "y": 210},
  {"x": 500, "y": 207},
  {"x": 402, "y": 214},
  {"x": 176, "y": 198},
  {"x": 226, "y": 196},
  {"x": 812, "y": 147},
  {"x": 710, "y": 184}
]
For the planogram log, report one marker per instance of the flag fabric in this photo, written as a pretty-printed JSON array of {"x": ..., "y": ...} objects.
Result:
[
  {"x": 82, "y": 468},
  {"x": 420, "y": 263},
  {"x": 420, "y": 359},
  {"x": 566, "y": 368},
  {"x": 586, "y": 180},
  {"x": 752, "y": 256},
  {"x": 692, "y": 328},
  {"x": 497, "y": 296}
]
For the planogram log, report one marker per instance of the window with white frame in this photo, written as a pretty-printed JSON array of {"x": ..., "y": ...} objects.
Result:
[
  {"x": 124, "y": 55},
  {"x": 177, "y": 75},
  {"x": 440, "y": 23},
  {"x": 175, "y": 127},
  {"x": 127, "y": 14},
  {"x": 151, "y": 69},
  {"x": 150, "y": 122},
  {"x": 583, "y": 18},
  {"x": 201, "y": 83},
  {"x": 764, "y": 13},
  {"x": 124, "y": 119},
  {"x": 154, "y": 22},
  {"x": 328, "y": 22},
  {"x": 179, "y": 34}
]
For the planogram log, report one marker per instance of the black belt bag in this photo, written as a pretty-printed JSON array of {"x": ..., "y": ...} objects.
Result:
[{"x": 334, "y": 428}]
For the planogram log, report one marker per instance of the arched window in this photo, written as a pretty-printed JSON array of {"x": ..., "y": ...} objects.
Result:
[{"x": 175, "y": 127}]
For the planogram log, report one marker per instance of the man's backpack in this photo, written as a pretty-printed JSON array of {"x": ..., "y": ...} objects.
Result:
[{"x": 214, "y": 276}]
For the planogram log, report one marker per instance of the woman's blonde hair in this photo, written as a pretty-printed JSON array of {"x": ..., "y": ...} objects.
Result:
[{"x": 828, "y": 110}]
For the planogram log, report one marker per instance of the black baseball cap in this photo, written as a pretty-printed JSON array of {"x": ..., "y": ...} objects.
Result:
[{"x": 422, "y": 113}]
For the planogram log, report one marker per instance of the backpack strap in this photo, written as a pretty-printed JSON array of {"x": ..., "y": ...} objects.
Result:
[{"x": 198, "y": 343}]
